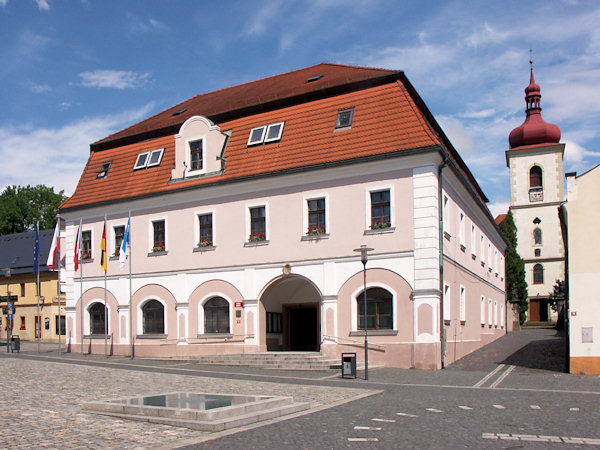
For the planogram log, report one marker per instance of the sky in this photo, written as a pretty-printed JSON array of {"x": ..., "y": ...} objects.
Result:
[{"x": 75, "y": 71}]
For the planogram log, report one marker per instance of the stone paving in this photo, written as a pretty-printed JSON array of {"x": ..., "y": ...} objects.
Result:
[{"x": 41, "y": 404}]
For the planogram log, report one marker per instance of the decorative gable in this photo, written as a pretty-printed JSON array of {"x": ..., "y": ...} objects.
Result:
[{"x": 199, "y": 149}]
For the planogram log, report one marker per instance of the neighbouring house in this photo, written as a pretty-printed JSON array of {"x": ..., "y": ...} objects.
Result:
[
  {"x": 16, "y": 254},
  {"x": 246, "y": 206},
  {"x": 579, "y": 215},
  {"x": 536, "y": 190}
]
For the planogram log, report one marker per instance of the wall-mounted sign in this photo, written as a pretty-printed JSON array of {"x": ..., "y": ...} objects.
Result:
[{"x": 239, "y": 304}]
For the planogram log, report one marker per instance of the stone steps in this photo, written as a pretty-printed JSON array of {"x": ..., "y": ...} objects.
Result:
[{"x": 272, "y": 360}]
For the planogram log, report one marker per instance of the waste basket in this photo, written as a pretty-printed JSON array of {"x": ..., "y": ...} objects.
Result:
[
  {"x": 15, "y": 343},
  {"x": 348, "y": 365}
]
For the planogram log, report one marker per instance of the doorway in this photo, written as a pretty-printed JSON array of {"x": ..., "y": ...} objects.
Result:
[{"x": 303, "y": 327}]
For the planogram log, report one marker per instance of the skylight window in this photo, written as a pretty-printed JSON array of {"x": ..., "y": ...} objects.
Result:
[
  {"x": 344, "y": 118},
  {"x": 104, "y": 170},
  {"x": 148, "y": 159},
  {"x": 266, "y": 133},
  {"x": 315, "y": 78}
]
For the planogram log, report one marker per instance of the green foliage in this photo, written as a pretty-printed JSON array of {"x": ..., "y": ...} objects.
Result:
[
  {"x": 557, "y": 296},
  {"x": 22, "y": 206},
  {"x": 516, "y": 286}
]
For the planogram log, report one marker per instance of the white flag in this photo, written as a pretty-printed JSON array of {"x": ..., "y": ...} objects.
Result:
[
  {"x": 124, "y": 247},
  {"x": 53, "y": 262}
]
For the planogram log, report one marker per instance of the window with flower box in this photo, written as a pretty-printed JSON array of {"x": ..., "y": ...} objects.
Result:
[
  {"x": 317, "y": 224},
  {"x": 205, "y": 230},
  {"x": 258, "y": 225},
  {"x": 380, "y": 209},
  {"x": 119, "y": 232},
  {"x": 86, "y": 245},
  {"x": 158, "y": 236}
]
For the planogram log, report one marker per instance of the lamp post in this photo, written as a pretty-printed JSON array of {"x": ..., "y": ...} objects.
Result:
[{"x": 363, "y": 258}]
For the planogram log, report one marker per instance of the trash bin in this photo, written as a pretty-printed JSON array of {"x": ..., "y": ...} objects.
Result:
[
  {"x": 15, "y": 343},
  {"x": 348, "y": 365}
]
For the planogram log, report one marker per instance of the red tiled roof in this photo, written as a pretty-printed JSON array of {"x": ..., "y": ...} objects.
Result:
[
  {"x": 389, "y": 117},
  {"x": 500, "y": 218}
]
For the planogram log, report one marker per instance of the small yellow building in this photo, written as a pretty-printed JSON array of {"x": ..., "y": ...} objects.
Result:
[{"x": 17, "y": 279}]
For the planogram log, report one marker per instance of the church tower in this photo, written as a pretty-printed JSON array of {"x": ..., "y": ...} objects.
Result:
[{"x": 535, "y": 161}]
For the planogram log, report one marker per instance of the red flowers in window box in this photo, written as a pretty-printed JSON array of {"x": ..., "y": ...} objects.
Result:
[
  {"x": 316, "y": 230},
  {"x": 205, "y": 243},
  {"x": 382, "y": 223},
  {"x": 257, "y": 237},
  {"x": 158, "y": 248}
]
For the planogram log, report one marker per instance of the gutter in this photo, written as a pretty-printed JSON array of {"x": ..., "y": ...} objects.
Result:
[{"x": 443, "y": 338}]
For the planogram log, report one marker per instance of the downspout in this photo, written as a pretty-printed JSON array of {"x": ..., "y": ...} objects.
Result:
[{"x": 441, "y": 262}]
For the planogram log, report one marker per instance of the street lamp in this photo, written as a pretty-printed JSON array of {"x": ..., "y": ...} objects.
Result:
[{"x": 363, "y": 258}]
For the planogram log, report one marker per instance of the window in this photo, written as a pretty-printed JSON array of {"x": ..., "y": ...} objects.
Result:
[
  {"x": 538, "y": 274},
  {"x": 446, "y": 302},
  {"x": 274, "y": 322},
  {"x": 482, "y": 310},
  {"x": 537, "y": 236},
  {"x": 473, "y": 240},
  {"x": 495, "y": 313},
  {"x": 60, "y": 320},
  {"x": 98, "y": 319},
  {"x": 216, "y": 315},
  {"x": 538, "y": 252},
  {"x": 463, "y": 303},
  {"x": 22, "y": 289},
  {"x": 205, "y": 230},
  {"x": 461, "y": 230},
  {"x": 86, "y": 245},
  {"x": 196, "y": 155},
  {"x": 158, "y": 242},
  {"x": 148, "y": 159},
  {"x": 446, "y": 215},
  {"x": 344, "y": 118},
  {"x": 378, "y": 315},
  {"x": 489, "y": 312},
  {"x": 501, "y": 315},
  {"x": 482, "y": 244},
  {"x": 266, "y": 133},
  {"x": 316, "y": 216},
  {"x": 274, "y": 132},
  {"x": 22, "y": 323},
  {"x": 103, "y": 170},
  {"x": 536, "y": 190},
  {"x": 257, "y": 224},
  {"x": 153, "y": 315},
  {"x": 119, "y": 232},
  {"x": 380, "y": 209}
]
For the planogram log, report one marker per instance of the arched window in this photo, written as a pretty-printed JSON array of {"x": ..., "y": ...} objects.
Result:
[
  {"x": 538, "y": 274},
  {"x": 153, "y": 313},
  {"x": 378, "y": 315},
  {"x": 537, "y": 236},
  {"x": 97, "y": 318},
  {"x": 216, "y": 315},
  {"x": 535, "y": 177}
]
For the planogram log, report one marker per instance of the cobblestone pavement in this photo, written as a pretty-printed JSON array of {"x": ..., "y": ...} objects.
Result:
[{"x": 494, "y": 398}]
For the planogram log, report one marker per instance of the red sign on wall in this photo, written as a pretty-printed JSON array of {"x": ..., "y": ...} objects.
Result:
[{"x": 239, "y": 304}]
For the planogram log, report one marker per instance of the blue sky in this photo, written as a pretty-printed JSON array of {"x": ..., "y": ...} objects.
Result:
[{"x": 73, "y": 72}]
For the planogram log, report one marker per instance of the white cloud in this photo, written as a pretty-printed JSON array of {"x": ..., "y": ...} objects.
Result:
[
  {"x": 56, "y": 156},
  {"x": 138, "y": 25},
  {"x": 43, "y": 5},
  {"x": 39, "y": 88},
  {"x": 259, "y": 22},
  {"x": 3, "y": 2},
  {"x": 118, "y": 79},
  {"x": 498, "y": 207}
]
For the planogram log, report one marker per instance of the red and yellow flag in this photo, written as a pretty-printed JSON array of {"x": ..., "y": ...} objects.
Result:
[{"x": 103, "y": 249}]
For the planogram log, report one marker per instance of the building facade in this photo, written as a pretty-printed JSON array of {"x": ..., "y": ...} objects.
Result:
[
  {"x": 583, "y": 262},
  {"x": 536, "y": 187},
  {"x": 245, "y": 207},
  {"x": 29, "y": 320}
]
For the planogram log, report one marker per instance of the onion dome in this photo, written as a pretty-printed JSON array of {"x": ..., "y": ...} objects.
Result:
[{"x": 534, "y": 130}]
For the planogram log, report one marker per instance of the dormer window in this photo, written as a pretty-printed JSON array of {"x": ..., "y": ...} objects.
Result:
[
  {"x": 196, "y": 150},
  {"x": 344, "y": 118},
  {"x": 148, "y": 159},
  {"x": 266, "y": 133},
  {"x": 104, "y": 170}
]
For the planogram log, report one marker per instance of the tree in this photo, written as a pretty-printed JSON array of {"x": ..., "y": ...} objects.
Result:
[
  {"x": 22, "y": 206},
  {"x": 516, "y": 286}
]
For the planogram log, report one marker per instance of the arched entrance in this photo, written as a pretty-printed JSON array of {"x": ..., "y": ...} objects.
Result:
[{"x": 292, "y": 307}]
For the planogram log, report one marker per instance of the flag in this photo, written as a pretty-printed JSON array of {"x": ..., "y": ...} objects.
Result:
[
  {"x": 36, "y": 250},
  {"x": 103, "y": 249},
  {"x": 124, "y": 245},
  {"x": 76, "y": 256},
  {"x": 53, "y": 256}
]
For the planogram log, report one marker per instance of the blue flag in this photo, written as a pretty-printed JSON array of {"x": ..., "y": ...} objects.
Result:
[
  {"x": 36, "y": 251},
  {"x": 124, "y": 247}
]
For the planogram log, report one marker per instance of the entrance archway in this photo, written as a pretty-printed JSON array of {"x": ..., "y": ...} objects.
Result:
[{"x": 292, "y": 315}]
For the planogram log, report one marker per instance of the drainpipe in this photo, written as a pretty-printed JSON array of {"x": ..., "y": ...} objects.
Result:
[{"x": 441, "y": 262}]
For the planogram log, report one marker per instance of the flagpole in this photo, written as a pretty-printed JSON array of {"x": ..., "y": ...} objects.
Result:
[
  {"x": 105, "y": 268},
  {"x": 130, "y": 290},
  {"x": 78, "y": 242},
  {"x": 37, "y": 285},
  {"x": 58, "y": 282}
]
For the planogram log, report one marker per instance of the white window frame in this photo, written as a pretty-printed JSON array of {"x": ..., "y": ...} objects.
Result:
[
  {"x": 495, "y": 313},
  {"x": 482, "y": 243},
  {"x": 113, "y": 236},
  {"x": 188, "y": 156},
  {"x": 140, "y": 315},
  {"x": 463, "y": 304},
  {"x": 248, "y": 218},
  {"x": 201, "y": 304},
  {"x": 197, "y": 215},
  {"x": 151, "y": 232},
  {"x": 473, "y": 240},
  {"x": 305, "y": 200},
  {"x": 447, "y": 302},
  {"x": 137, "y": 165},
  {"x": 380, "y": 188},
  {"x": 489, "y": 312},
  {"x": 482, "y": 312},
  {"x": 356, "y": 297},
  {"x": 461, "y": 229},
  {"x": 87, "y": 322},
  {"x": 501, "y": 315},
  {"x": 489, "y": 255},
  {"x": 446, "y": 213},
  {"x": 338, "y": 125},
  {"x": 278, "y": 137},
  {"x": 158, "y": 151}
]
